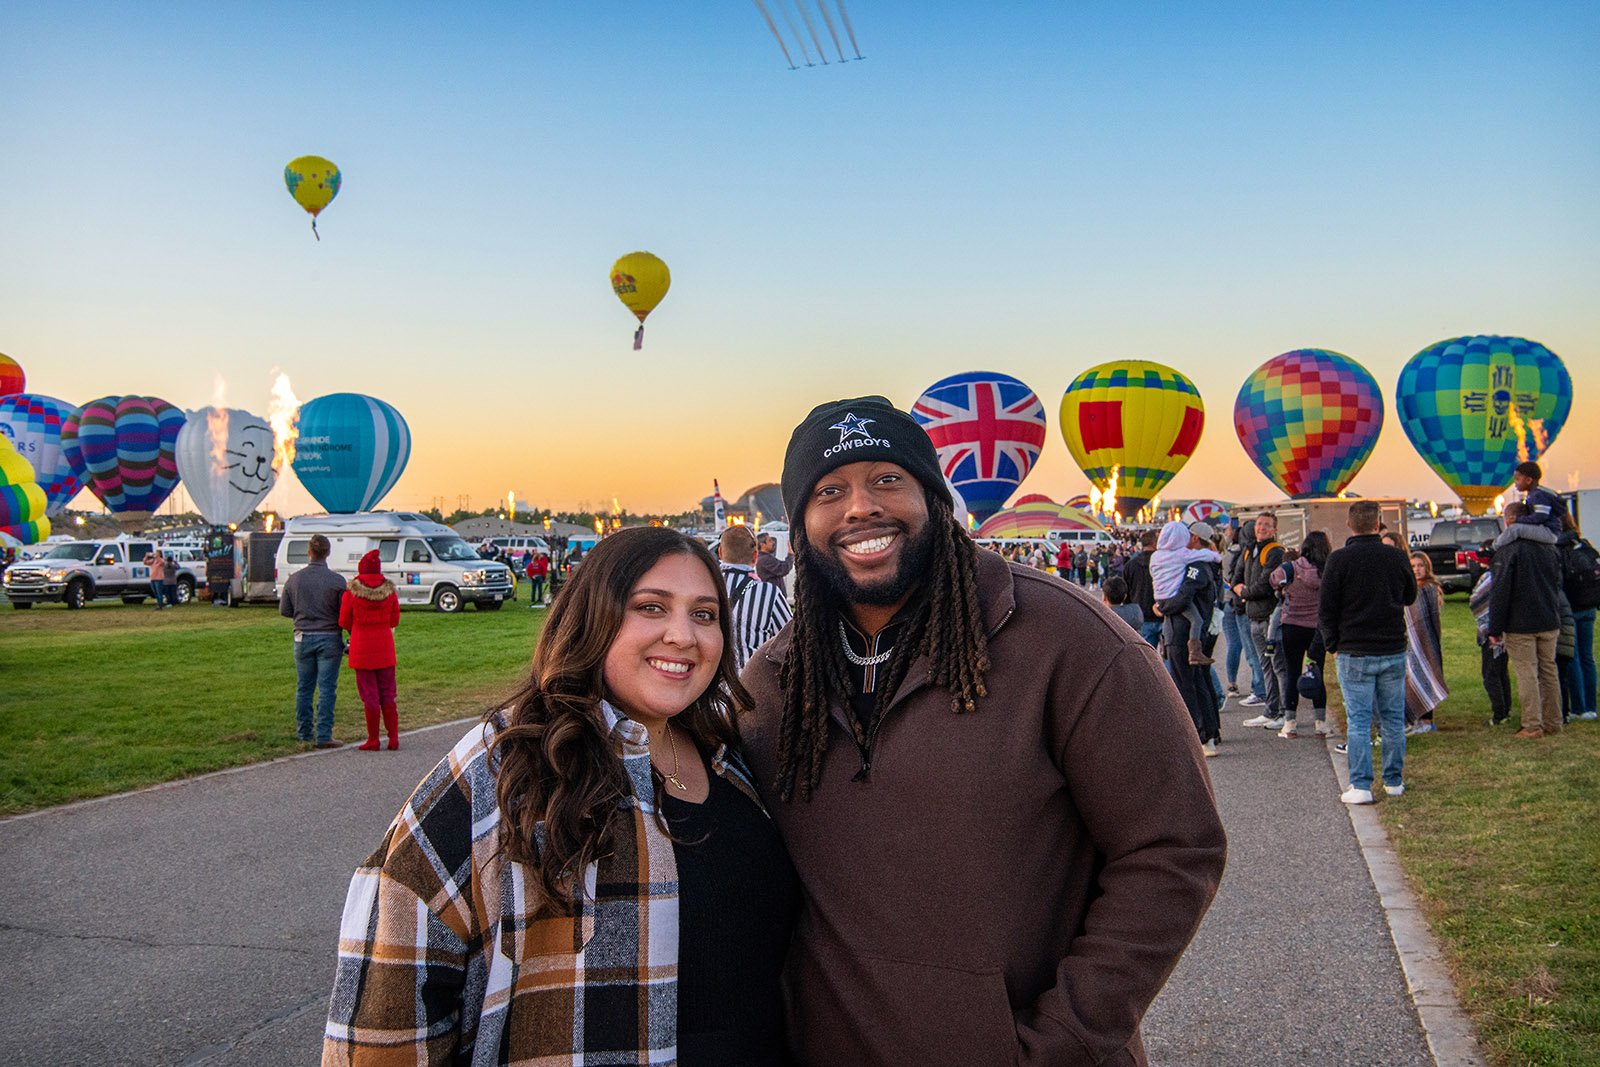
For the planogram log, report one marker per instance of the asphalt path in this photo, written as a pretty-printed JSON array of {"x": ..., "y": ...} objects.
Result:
[{"x": 195, "y": 923}]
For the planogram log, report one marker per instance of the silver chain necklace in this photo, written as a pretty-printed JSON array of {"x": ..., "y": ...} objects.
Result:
[{"x": 861, "y": 661}]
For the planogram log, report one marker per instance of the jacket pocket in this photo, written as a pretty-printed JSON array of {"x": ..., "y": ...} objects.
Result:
[{"x": 544, "y": 942}]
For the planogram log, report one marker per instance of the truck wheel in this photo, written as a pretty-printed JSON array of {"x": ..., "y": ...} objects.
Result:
[
  {"x": 20, "y": 604},
  {"x": 77, "y": 593},
  {"x": 185, "y": 591},
  {"x": 487, "y": 605},
  {"x": 447, "y": 599}
]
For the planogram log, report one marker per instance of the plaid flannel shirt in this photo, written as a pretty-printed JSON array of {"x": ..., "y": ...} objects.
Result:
[{"x": 442, "y": 961}]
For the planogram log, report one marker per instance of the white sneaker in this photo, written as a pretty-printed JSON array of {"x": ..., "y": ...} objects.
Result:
[
  {"x": 1288, "y": 733},
  {"x": 1209, "y": 748},
  {"x": 1394, "y": 790},
  {"x": 1252, "y": 701},
  {"x": 1261, "y": 720},
  {"x": 1356, "y": 796},
  {"x": 1322, "y": 729},
  {"x": 1274, "y": 724}
]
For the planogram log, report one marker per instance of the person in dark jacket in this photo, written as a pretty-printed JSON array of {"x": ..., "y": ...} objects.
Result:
[
  {"x": 1254, "y": 588},
  {"x": 980, "y": 889},
  {"x": 1141, "y": 590},
  {"x": 370, "y": 610},
  {"x": 1235, "y": 627},
  {"x": 1197, "y": 591},
  {"x": 1366, "y": 586},
  {"x": 311, "y": 598},
  {"x": 1525, "y": 617}
]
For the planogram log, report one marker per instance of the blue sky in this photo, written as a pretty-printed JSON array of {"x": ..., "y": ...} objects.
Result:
[{"x": 1026, "y": 187}]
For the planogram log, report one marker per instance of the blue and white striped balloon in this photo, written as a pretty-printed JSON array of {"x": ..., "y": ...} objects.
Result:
[{"x": 351, "y": 450}]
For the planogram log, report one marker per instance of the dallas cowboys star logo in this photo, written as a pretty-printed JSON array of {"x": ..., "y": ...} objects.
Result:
[{"x": 852, "y": 425}]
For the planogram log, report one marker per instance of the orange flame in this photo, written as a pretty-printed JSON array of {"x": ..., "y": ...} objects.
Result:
[{"x": 284, "y": 415}]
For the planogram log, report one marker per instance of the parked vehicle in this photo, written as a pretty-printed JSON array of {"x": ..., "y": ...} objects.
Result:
[
  {"x": 1083, "y": 538},
  {"x": 426, "y": 560},
  {"x": 76, "y": 572},
  {"x": 1449, "y": 544}
]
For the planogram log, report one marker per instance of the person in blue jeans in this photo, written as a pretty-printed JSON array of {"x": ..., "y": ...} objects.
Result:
[
  {"x": 311, "y": 598},
  {"x": 1366, "y": 586}
]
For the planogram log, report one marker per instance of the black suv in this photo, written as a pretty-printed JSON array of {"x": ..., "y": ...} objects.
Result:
[{"x": 1450, "y": 536}]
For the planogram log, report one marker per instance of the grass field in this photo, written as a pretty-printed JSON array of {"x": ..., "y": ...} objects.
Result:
[
  {"x": 1500, "y": 841},
  {"x": 113, "y": 697},
  {"x": 1498, "y": 836}
]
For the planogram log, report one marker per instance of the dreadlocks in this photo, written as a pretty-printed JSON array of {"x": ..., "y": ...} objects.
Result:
[{"x": 946, "y": 625}]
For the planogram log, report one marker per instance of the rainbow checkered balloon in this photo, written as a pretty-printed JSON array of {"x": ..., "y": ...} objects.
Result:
[
  {"x": 1309, "y": 419},
  {"x": 1475, "y": 407}
]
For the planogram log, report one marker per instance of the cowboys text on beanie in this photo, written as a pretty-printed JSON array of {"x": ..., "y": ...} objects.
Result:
[{"x": 855, "y": 431}]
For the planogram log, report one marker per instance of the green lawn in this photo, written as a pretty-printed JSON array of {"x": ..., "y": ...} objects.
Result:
[
  {"x": 115, "y": 696},
  {"x": 1500, "y": 841}
]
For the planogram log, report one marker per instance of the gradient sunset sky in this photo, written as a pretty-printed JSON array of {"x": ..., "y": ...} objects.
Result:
[{"x": 1023, "y": 187}]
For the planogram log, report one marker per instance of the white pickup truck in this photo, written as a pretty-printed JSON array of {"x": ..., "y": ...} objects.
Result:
[{"x": 76, "y": 572}]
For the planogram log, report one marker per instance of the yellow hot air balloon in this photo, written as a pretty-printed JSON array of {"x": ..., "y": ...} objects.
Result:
[
  {"x": 313, "y": 182},
  {"x": 1133, "y": 424},
  {"x": 640, "y": 280}
]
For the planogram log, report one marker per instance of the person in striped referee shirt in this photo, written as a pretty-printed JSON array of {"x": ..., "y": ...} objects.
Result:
[{"x": 759, "y": 608}]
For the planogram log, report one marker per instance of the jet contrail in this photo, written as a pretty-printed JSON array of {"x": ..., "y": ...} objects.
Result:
[
  {"x": 812, "y": 29},
  {"x": 775, "y": 34},
  {"x": 822, "y": 6},
  {"x": 792, "y": 29},
  {"x": 845, "y": 16}
]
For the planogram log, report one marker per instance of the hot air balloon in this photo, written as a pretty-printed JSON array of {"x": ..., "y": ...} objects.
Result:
[
  {"x": 1035, "y": 520},
  {"x": 12, "y": 380},
  {"x": 33, "y": 422},
  {"x": 1032, "y": 498},
  {"x": 225, "y": 459},
  {"x": 640, "y": 280},
  {"x": 1211, "y": 511},
  {"x": 123, "y": 445},
  {"x": 1475, "y": 407},
  {"x": 988, "y": 429},
  {"x": 22, "y": 502},
  {"x": 351, "y": 450},
  {"x": 1309, "y": 419},
  {"x": 313, "y": 182},
  {"x": 1081, "y": 502},
  {"x": 1133, "y": 420}
]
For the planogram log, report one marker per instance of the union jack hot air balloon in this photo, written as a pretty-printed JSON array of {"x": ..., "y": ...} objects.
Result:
[{"x": 988, "y": 429}]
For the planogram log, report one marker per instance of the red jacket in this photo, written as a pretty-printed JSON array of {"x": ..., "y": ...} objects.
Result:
[
  {"x": 539, "y": 565},
  {"x": 370, "y": 610}
]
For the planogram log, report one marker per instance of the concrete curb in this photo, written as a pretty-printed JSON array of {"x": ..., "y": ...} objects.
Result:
[
  {"x": 1451, "y": 1037},
  {"x": 178, "y": 783}
]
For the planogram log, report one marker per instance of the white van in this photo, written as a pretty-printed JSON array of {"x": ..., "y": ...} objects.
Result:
[{"x": 427, "y": 562}]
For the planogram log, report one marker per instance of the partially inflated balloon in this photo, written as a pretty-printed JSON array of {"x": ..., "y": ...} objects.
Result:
[
  {"x": 1309, "y": 419},
  {"x": 640, "y": 280},
  {"x": 1139, "y": 419},
  {"x": 313, "y": 182},
  {"x": 22, "y": 502},
  {"x": 124, "y": 446},
  {"x": 225, "y": 459},
  {"x": 351, "y": 450},
  {"x": 33, "y": 423},
  {"x": 1210, "y": 511},
  {"x": 12, "y": 380},
  {"x": 988, "y": 429},
  {"x": 1475, "y": 407}
]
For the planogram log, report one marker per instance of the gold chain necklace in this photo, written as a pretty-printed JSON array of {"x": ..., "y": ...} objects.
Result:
[{"x": 673, "y": 776}]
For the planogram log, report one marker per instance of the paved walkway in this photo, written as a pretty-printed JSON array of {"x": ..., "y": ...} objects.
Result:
[{"x": 195, "y": 924}]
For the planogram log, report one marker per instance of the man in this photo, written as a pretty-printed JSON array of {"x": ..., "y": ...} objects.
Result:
[
  {"x": 1189, "y": 653},
  {"x": 769, "y": 568},
  {"x": 1366, "y": 586},
  {"x": 158, "y": 575},
  {"x": 989, "y": 786},
  {"x": 758, "y": 609},
  {"x": 311, "y": 598},
  {"x": 1525, "y": 617},
  {"x": 1254, "y": 588},
  {"x": 1141, "y": 590}
]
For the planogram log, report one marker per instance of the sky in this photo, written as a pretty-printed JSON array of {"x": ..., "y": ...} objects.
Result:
[{"x": 1026, "y": 187}]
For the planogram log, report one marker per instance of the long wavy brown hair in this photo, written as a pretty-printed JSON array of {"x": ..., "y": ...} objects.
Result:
[{"x": 555, "y": 763}]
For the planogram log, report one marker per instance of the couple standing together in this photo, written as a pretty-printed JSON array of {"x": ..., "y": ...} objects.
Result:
[{"x": 955, "y": 813}]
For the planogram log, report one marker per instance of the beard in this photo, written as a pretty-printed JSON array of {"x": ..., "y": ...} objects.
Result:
[{"x": 891, "y": 590}]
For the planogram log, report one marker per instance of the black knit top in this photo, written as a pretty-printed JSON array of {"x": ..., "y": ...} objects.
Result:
[{"x": 738, "y": 899}]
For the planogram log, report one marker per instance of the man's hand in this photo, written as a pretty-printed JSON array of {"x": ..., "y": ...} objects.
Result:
[
  {"x": 1496, "y": 641},
  {"x": 1239, "y": 589}
]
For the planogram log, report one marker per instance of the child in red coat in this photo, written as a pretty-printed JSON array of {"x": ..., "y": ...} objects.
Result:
[{"x": 370, "y": 610}]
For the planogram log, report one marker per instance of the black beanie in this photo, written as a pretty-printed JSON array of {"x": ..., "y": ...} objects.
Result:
[{"x": 855, "y": 431}]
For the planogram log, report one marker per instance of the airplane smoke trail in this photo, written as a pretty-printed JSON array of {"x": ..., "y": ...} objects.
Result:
[
  {"x": 822, "y": 6},
  {"x": 775, "y": 34},
  {"x": 812, "y": 29},
  {"x": 845, "y": 17},
  {"x": 796, "y": 31}
]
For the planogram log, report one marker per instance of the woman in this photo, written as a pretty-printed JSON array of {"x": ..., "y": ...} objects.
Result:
[
  {"x": 370, "y": 610},
  {"x": 588, "y": 877},
  {"x": 1425, "y": 688},
  {"x": 1300, "y": 581}
]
